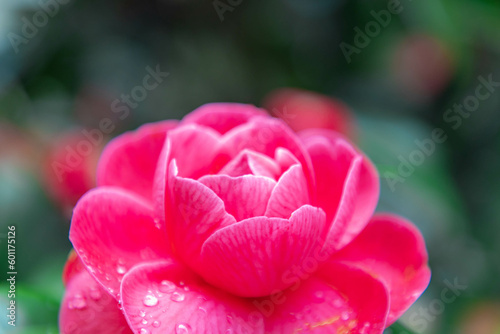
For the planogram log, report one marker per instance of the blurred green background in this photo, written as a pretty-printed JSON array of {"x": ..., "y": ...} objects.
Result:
[{"x": 64, "y": 73}]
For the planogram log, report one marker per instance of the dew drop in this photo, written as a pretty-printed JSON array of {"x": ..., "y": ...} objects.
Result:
[
  {"x": 202, "y": 309},
  {"x": 157, "y": 223},
  {"x": 167, "y": 286},
  {"x": 144, "y": 322},
  {"x": 182, "y": 329},
  {"x": 144, "y": 331},
  {"x": 143, "y": 313},
  {"x": 177, "y": 296},
  {"x": 156, "y": 324},
  {"x": 78, "y": 302},
  {"x": 345, "y": 315},
  {"x": 95, "y": 294},
  {"x": 320, "y": 296},
  {"x": 121, "y": 270},
  {"x": 150, "y": 300}
]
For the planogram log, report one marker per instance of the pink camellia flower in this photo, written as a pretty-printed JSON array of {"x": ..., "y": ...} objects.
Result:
[
  {"x": 302, "y": 110},
  {"x": 229, "y": 222}
]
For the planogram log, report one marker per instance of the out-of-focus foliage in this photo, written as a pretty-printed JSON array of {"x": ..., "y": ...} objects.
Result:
[{"x": 68, "y": 73}]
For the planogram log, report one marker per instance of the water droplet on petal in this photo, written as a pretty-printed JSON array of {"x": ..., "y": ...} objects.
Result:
[
  {"x": 182, "y": 329},
  {"x": 150, "y": 300},
  {"x": 177, "y": 296},
  {"x": 157, "y": 223},
  {"x": 167, "y": 286},
  {"x": 345, "y": 315},
  {"x": 144, "y": 322},
  {"x": 156, "y": 324},
  {"x": 78, "y": 302},
  {"x": 121, "y": 270},
  {"x": 202, "y": 309},
  {"x": 337, "y": 303},
  {"x": 95, "y": 294},
  {"x": 144, "y": 331},
  {"x": 143, "y": 313},
  {"x": 320, "y": 296}
]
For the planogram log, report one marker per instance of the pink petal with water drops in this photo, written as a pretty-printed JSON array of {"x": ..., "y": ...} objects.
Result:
[
  {"x": 87, "y": 308},
  {"x": 391, "y": 249},
  {"x": 162, "y": 297},
  {"x": 248, "y": 258},
  {"x": 112, "y": 230},
  {"x": 337, "y": 299},
  {"x": 129, "y": 161},
  {"x": 223, "y": 117},
  {"x": 244, "y": 196}
]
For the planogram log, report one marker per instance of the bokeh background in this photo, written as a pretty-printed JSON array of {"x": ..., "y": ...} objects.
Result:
[{"x": 63, "y": 74}]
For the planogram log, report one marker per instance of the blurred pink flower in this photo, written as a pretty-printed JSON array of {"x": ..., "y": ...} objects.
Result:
[
  {"x": 302, "y": 109},
  {"x": 229, "y": 222},
  {"x": 68, "y": 169},
  {"x": 423, "y": 66}
]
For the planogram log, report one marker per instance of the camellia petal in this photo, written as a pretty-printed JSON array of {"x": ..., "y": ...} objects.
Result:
[
  {"x": 290, "y": 193},
  {"x": 198, "y": 212},
  {"x": 87, "y": 308},
  {"x": 266, "y": 135},
  {"x": 162, "y": 297},
  {"x": 129, "y": 161},
  {"x": 249, "y": 258},
  {"x": 223, "y": 117},
  {"x": 347, "y": 185},
  {"x": 337, "y": 299},
  {"x": 251, "y": 163},
  {"x": 244, "y": 196},
  {"x": 201, "y": 143},
  {"x": 392, "y": 250},
  {"x": 112, "y": 230}
]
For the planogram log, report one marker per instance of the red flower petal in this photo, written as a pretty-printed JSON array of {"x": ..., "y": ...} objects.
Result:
[
  {"x": 339, "y": 299},
  {"x": 72, "y": 267},
  {"x": 347, "y": 185},
  {"x": 290, "y": 193},
  {"x": 391, "y": 249},
  {"x": 129, "y": 161},
  {"x": 251, "y": 163},
  {"x": 162, "y": 297},
  {"x": 266, "y": 135},
  {"x": 113, "y": 230},
  {"x": 248, "y": 258},
  {"x": 244, "y": 196},
  {"x": 87, "y": 308},
  {"x": 223, "y": 117},
  {"x": 197, "y": 213}
]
